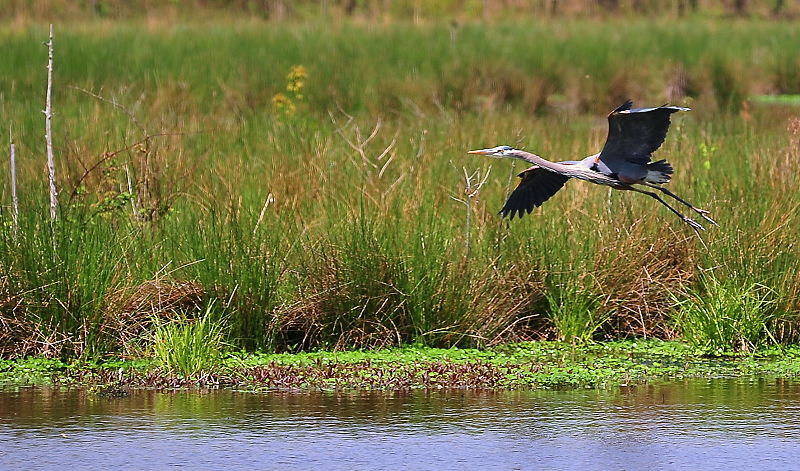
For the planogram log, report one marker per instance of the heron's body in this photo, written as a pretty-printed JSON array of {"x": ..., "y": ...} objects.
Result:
[{"x": 633, "y": 135}]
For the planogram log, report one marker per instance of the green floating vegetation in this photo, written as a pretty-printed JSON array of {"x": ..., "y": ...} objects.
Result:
[{"x": 511, "y": 366}]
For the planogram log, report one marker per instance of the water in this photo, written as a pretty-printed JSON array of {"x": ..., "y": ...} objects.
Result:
[{"x": 695, "y": 424}]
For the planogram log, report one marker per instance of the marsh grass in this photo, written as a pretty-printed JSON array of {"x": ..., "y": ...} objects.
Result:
[
  {"x": 62, "y": 274},
  {"x": 334, "y": 226},
  {"x": 188, "y": 346},
  {"x": 724, "y": 316},
  {"x": 239, "y": 265},
  {"x": 575, "y": 307}
]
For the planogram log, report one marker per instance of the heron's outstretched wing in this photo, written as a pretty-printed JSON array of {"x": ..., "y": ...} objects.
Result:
[
  {"x": 536, "y": 187},
  {"x": 634, "y": 134}
]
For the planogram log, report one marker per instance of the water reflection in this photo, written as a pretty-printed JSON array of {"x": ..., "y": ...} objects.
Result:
[{"x": 693, "y": 424}]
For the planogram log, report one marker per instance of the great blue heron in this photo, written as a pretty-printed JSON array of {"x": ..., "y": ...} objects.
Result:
[{"x": 633, "y": 135}]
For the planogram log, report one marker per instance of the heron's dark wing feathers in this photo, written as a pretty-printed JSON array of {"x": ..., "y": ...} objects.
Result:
[
  {"x": 536, "y": 187},
  {"x": 624, "y": 107},
  {"x": 634, "y": 134}
]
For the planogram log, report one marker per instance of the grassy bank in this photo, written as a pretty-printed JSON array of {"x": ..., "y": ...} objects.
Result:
[
  {"x": 220, "y": 194},
  {"x": 511, "y": 366}
]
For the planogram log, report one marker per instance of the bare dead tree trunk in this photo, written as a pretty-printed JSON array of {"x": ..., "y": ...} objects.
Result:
[
  {"x": 14, "y": 200},
  {"x": 48, "y": 114}
]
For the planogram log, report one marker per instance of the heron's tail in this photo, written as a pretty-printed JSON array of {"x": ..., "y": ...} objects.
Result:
[{"x": 658, "y": 172}]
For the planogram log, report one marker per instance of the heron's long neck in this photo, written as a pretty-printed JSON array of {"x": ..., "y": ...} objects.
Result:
[
  {"x": 579, "y": 170},
  {"x": 569, "y": 170}
]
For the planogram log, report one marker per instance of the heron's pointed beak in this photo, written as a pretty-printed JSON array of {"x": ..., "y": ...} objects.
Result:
[{"x": 481, "y": 151}]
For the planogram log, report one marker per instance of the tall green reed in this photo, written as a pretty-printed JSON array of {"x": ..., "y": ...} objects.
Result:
[
  {"x": 239, "y": 264},
  {"x": 575, "y": 308},
  {"x": 189, "y": 346},
  {"x": 62, "y": 274},
  {"x": 725, "y": 316}
]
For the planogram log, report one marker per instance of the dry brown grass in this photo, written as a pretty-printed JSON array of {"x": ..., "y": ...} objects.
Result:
[{"x": 131, "y": 310}]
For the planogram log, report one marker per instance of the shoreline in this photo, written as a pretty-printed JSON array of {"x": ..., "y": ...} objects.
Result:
[{"x": 526, "y": 365}]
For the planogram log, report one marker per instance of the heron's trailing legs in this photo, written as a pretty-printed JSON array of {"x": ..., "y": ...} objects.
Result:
[
  {"x": 701, "y": 212},
  {"x": 695, "y": 225}
]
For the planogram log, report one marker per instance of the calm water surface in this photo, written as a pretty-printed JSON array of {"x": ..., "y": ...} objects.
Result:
[{"x": 696, "y": 424}]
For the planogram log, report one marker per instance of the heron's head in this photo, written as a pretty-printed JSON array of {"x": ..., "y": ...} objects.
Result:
[{"x": 499, "y": 152}]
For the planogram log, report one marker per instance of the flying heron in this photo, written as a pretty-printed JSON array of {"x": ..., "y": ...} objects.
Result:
[{"x": 633, "y": 135}]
